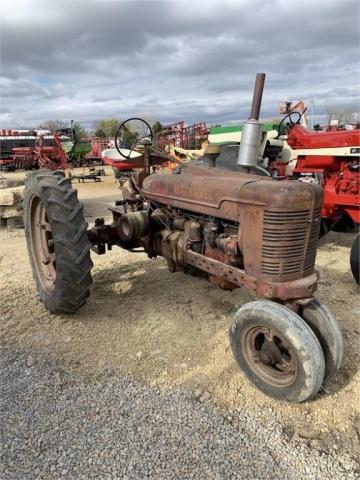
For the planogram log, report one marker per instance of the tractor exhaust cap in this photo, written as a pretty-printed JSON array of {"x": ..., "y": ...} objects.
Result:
[{"x": 252, "y": 129}]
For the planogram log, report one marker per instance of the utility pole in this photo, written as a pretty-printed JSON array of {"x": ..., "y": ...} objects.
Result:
[{"x": 311, "y": 108}]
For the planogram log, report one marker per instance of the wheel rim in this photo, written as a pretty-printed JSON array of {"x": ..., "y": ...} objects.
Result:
[
  {"x": 42, "y": 245},
  {"x": 269, "y": 355}
]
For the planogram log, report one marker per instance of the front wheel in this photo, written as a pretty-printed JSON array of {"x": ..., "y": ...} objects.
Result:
[
  {"x": 57, "y": 241},
  {"x": 327, "y": 330},
  {"x": 277, "y": 351}
]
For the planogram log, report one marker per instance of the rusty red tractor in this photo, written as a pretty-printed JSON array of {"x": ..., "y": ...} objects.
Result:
[{"x": 238, "y": 226}]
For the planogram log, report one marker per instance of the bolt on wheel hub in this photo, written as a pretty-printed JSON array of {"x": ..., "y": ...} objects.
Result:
[{"x": 270, "y": 355}]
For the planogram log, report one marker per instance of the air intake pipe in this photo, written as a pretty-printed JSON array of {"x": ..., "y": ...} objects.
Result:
[{"x": 252, "y": 131}]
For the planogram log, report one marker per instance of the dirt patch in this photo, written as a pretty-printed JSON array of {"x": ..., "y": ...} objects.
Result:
[{"x": 172, "y": 329}]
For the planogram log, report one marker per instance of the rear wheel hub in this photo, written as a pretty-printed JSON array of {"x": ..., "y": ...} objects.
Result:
[{"x": 42, "y": 242}]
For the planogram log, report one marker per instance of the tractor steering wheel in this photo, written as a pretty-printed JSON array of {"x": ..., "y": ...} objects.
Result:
[
  {"x": 132, "y": 135},
  {"x": 291, "y": 121}
]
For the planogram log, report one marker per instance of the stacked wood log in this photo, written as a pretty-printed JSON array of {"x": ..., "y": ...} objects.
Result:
[
  {"x": 11, "y": 207},
  {"x": 10, "y": 182}
]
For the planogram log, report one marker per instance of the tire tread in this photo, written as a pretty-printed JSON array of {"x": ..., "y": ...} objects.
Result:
[{"x": 72, "y": 246}]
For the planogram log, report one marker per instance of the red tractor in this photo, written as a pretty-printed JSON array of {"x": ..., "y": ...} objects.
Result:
[
  {"x": 330, "y": 159},
  {"x": 232, "y": 223}
]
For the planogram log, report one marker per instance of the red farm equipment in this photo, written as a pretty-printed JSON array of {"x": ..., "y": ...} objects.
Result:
[
  {"x": 330, "y": 159},
  {"x": 98, "y": 145},
  {"x": 41, "y": 155},
  {"x": 177, "y": 135},
  {"x": 171, "y": 136},
  {"x": 234, "y": 224}
]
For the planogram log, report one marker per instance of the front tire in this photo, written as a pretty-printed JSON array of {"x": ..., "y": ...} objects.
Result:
[
  {"x": 277, "y": 351},
  {"x": 57, "y": 241},
  {"x": 327, "y": 330}
]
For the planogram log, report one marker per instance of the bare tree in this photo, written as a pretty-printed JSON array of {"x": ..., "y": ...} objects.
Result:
[
  {"x": 53, "y": 125},
  {"x": 342, "y": 115}
]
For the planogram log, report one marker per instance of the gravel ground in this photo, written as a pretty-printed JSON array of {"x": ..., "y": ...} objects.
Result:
[{"x": 55, "y": 424}]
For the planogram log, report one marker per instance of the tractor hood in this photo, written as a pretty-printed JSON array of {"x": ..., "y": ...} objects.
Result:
[{"x": 222, "y": 194}]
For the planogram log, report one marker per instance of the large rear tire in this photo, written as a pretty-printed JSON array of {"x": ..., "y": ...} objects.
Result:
[
  {"x": 277, "y": 351},
  {"x": 57, "y": 241}
]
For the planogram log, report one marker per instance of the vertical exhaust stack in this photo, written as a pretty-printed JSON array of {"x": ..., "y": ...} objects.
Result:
[{"x": 252, "y": 129}]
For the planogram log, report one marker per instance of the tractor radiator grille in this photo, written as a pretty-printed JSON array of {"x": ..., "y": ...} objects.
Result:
[{"x": 289, "y": 243}]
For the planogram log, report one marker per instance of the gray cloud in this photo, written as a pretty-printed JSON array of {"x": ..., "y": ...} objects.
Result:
[{"x": 87, "y": 60}]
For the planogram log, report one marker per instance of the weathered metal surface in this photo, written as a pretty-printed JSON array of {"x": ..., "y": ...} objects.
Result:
[
  {"x": 273, "y": 217},
  {"x": 219, "y": 281},
  {"x": 301, "y": 288},
  {"x": 270, "y": 355},
  {"x": 42, "y": 245},
  {"x": 221, "y": 193},
  {"x": 275, "y": 229},
  {"x": 257, "y": 96},
  {"x": 248, "y": 156}
]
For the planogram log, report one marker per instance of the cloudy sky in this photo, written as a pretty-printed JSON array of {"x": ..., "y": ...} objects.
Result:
[{"x": 171, "y": 60}]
